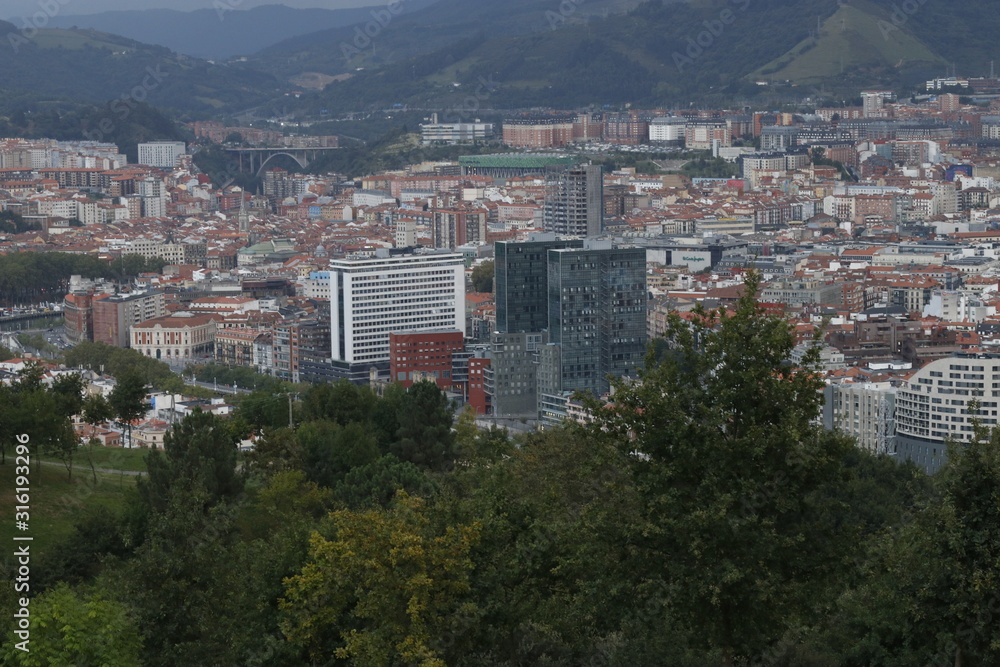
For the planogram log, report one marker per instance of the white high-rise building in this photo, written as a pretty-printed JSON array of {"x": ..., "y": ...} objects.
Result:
[
  {"x": 933, "y": 407},
  {"x": 372, "y": 297},
  {"x": 154, "y": 197},
  {"x": 163, "y": 154},
  {"x": 667, "y": 128},
  {"x": 317, "y": 285}
]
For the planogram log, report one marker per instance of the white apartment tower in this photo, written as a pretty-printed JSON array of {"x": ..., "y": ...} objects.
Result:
[
  {"x": 933, "y": 407},
  {"x": 372, "y": 297},
  {"x": 162, "y": 154},
  {"x": 154, "y": 197}
]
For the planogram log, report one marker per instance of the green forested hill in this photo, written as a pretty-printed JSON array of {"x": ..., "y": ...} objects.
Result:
[
  {"x": 91, "y": 66},
  {"x": 432, "y": 25},
  {"x": 661, "y": 52},
  {"x": 466, "y": 56},
  {"x": 648, "y": 56}
]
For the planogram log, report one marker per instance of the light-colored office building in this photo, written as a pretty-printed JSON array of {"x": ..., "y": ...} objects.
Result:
[
  {"x": 863, "y": 410},
  {"x": 162, "y": 154},
  {"x": 932, "y": 408},
  {"x": 392, "y": 292}
]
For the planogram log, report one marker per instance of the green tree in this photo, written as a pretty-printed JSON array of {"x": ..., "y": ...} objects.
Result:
[
  {"x": 725, "y": 449},
  {"x": 330, "y": 451},
  {"x": 376, "y": 484},
  {"x": 198, "y": 457},
  {"x": 552, "y": 577},
  {"x": 77, "y": 558},
  {"x": 482, "y": 277},
  {"x": 387, "y": 589},
  {"x": 277, "y": 450},
  {"x": 117, "y": 361},
  {"x": 128, "y": 401},
  {"x": 32, "y": 277},
  {"x": 72, "y": 629},
  {"x": 29, "y": 407},
  {"x": 267, "y": 410},
  {"x": 7, "y": 434},
  {"x": 341, "y": 402},
  {"x": 67, "y": 398},
  {"x": 95, "y": 410},
  {"x": 936, "y": 580},
  {"x": 16, "y": 409},
  {"x": 714, "y": 168},
  {"x": 424, "y": 436},
  {"x": 172, "y": 586},
  {"x": 385, "y": 415},
  {"x": 130, "y": 265}
]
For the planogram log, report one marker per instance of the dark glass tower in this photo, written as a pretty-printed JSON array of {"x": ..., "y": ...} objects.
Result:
[
  {"x": 597, "y": 315},
  {"x": 521, "y": 282}
]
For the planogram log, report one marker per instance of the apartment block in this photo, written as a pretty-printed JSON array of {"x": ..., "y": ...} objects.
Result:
[
  {"x": 114, "y": 315},
  {"x": 392, "y": 292},
  {"x": 162, "y": 154},
  {"x": 574, "y": 201}
]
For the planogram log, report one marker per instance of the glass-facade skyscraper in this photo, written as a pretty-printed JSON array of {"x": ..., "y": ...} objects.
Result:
[
  {"x": 520, "y": 282},
  {"x": 591, "y": 299},
  {"x": 597, "y": 314}
]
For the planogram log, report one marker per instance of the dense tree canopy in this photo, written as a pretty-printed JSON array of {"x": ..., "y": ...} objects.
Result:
[
  {"x": 43, "y": 411},
  {"x": 482, "y": 277},
  {"x": 32, "y": 277},
  {"x": 702, "y": 519},
  {"x": 119, "y": 362}
]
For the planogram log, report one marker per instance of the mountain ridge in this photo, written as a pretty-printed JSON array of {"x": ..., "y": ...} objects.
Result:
[
  {"x": 89, "y": 66},
  {"x": 665, "y": 53},
  {"x": 214, "y": 34}
]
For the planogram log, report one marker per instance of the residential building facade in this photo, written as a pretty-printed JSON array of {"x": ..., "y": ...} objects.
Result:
[{"x": 392, "y": 292}]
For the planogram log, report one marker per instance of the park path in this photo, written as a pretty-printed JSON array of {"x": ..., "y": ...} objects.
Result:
[{"x": 131, "y": 473}]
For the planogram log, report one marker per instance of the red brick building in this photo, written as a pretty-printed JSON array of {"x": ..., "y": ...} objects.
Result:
[
  {"x": 424, "y": 355},
  {"x": 538, "y": 133},
  {"x": 478, "y": 398},
  {"x": 78, "y": 310},
  {"x": 114, "y": 315}
]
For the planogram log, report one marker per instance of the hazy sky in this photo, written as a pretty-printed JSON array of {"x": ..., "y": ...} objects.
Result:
[{"x": 17, "y": 8}]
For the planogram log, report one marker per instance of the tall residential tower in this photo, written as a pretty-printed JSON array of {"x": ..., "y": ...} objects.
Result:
[
  {"x": 574, "y": 201},
  {"x": 392, "y": 292}
]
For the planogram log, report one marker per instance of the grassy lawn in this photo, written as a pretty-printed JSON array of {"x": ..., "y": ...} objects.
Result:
[
  {"x": 56, "y": 502},
  {"x": 851, "y": 37},
  {"x": 112, "y": 458}
]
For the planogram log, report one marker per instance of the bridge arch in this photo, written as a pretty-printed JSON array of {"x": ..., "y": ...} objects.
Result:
[{"x": 303, "y": 162}]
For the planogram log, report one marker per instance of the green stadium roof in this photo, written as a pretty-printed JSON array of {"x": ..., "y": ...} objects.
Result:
[{"x": 516, "y": 161}]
